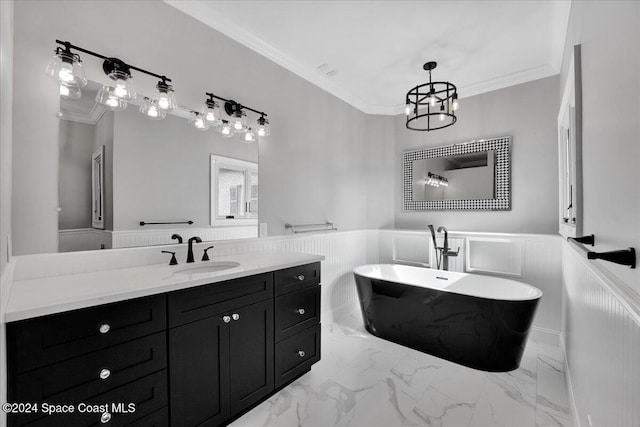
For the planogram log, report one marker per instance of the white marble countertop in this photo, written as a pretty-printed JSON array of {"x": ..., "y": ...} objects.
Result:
[{"x": 49, "y": 295}]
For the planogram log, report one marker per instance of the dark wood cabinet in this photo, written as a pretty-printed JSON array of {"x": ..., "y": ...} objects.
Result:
[{"x": 201, "y": 356}]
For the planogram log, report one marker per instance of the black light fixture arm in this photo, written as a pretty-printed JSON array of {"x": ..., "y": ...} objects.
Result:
[
  {"x": 233, "y": 105},
  {"x": 68, "y": 46}
]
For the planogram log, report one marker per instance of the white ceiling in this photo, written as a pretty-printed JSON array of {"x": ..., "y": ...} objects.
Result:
[{"x": 377, "y": 48}]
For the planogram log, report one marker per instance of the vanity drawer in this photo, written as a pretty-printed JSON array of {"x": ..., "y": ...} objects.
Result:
[
  {"x": 148, "y": 394},
  {"x": 79, "y": 378},
  {"x": 51, "y": 339},
  {"x": 295, "y": 355},
  {"x": 294, "y": 278},
  {"x": 198, "y": 303},
  {"x": 158, "y": 418},
  {"x": 297, "y": 311}
]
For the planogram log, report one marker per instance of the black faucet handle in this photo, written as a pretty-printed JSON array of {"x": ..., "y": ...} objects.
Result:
[
  {"x": 452, "y": 253},
  {"x": 205, "y": 256},
  {"x": 176, "y": 236},
  {"x": 173, "y": 261}
]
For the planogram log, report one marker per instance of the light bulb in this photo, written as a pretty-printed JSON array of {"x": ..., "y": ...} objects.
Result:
[
  {"x": 237, "y": 124},
  {"x": 112, "y": 101},
  {"x": 225, "y": 129},
  {"x": 66, "y": 72},
  {"x": 455, "y": 103},
  {"x": 432, "y": 100},
  {"x": 261, "y": 132},
  {"x": 163, "y": 102},
  {"x": 197, "y": 121},
  {"x": 407, "y": 110},
  {"x": 442, "y": 116},
  {"x": 263, "y": 126},
  {"x": 120, "y": 91},
  {"x": 151, "y": 109}
]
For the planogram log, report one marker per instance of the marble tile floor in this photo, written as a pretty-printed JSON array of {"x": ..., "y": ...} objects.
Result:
[{"x": 363, "y": 381}]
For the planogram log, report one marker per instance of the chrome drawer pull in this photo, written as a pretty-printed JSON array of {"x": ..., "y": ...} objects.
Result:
[
  {"x": 300, "y": 311},
  {"x": 104, "y": 328},
  {"x": 105, "y": 418},
  {"x": 104, "y": 374},
  {"x": 226, "y": 319},
  {"x": 301, "y": 353},
  {"x": 300, "y": 277},
  {"x": 235, "y": 316}
]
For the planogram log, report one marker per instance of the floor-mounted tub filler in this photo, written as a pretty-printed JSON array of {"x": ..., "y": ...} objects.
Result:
[{"x": 478, "y": 321}]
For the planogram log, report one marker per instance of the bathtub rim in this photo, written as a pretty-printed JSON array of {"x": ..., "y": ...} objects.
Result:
[{"x": 538, "y": 294}]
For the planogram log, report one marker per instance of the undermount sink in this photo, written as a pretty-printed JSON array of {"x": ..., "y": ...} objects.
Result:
[{"x": 210, "y": 267}]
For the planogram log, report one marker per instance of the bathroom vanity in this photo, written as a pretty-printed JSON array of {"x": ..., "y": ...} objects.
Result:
[{"x": 198, "y": 349}]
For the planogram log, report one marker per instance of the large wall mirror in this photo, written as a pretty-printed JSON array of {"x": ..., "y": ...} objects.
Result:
[
  {"x": 119, "y": 170},
  {"x": 469, "y": 176}
]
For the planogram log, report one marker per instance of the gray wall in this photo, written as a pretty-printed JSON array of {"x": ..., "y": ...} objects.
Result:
[
  {"x": 610, "y": 131},
  {"x": 161, "y": 169},
  {"x": 76, "y": 148},
  {"x": 527, "y": 112},
  {"x": 312, "y": 167}
]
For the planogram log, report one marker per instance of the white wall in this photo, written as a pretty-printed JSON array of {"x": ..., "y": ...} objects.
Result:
[
  {"x": 527, "y": 112},
  {"x": 312, "y": 168},
  {"x": 602, "y": 322},
  {"x": 74, "y": 182}
]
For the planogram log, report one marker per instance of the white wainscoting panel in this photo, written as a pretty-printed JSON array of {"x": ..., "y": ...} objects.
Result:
[
  {"x": 83, "y": 239},
  {"x": 601, "y": 338},
  {"x": 494, "y": 256},
  {"x": 411, "y": 249},
  {"x": 162, "y": 236}
]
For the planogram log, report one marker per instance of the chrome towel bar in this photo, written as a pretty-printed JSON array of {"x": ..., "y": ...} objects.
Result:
[{"x": 308, "y": 228}]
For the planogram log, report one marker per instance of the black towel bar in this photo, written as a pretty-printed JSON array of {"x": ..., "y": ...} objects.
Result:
[
  {"x": 142, "y": 223},
  {"x": 622, "y": 256}
]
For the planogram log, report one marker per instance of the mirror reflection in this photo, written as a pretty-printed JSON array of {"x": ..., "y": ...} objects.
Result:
[
  {"x": 455, "y": 177},
  {"x": 118, "y": 169}
]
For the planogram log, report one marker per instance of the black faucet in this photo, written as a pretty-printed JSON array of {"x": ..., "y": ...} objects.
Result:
[
  {"x": 176, "y": 237},
  {"x": 442, "y": 253},
  {"x": 190, "y": 253}
]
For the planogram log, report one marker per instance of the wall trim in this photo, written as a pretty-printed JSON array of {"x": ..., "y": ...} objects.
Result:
[{"x": 549, "y": 336}]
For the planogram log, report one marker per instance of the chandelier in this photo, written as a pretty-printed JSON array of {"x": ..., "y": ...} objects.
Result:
[{"x": 432, "y": 105}]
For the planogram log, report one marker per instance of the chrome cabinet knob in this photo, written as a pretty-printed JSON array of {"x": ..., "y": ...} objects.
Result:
[
  {"x": 104, "y": 328},
  {"x": 105, "y": 418},
  {"x": 226, "y": 319},
  {"x": 300, "y": 277},
  {"x": 235, "y": 316},
  {"x": 301, "y": 353},
  {"x": 104, "y": 374},
  {"x": 300, "y": 311}
]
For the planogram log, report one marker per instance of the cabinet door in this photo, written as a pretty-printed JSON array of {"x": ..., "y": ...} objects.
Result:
[
  {"x": 251, "y": 355},
  {"x": 199, "y": 380}
]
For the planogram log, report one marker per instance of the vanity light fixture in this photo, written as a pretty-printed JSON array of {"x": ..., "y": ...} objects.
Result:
[
  {"x": 426, "y": 101},
  {"x": 436, "y": 180},
  {"x": 237, "y": 122},
  {"x": 66, "y": 67}
]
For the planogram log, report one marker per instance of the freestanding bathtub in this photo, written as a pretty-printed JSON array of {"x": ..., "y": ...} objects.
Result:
[{"x": 478, "y": 321}]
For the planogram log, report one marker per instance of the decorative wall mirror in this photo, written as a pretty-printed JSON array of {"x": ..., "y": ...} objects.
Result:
[
  {"x": 570, "y": 150},
  {"x": 469, "y": 176},
  {"x": 234, "y": 191}
]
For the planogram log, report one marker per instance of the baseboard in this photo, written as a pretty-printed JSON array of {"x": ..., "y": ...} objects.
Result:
[
  {"x": 547, "y": 336},
  {"x": 567, "y": 374}
]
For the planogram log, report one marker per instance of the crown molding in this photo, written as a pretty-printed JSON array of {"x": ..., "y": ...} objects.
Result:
[
  {"x": 90, "y": 118},
  {"x": 202, "y": 13}
]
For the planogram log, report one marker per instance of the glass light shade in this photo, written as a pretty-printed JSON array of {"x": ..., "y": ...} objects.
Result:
[
  {"x": 211, "y": 114},
  {"x": 198, "y": 121},
  {"x": 123, "y": 86},
  {"x": 239, "y": 123},
  {"x": 151, "y": 109},
  {"x": 166, "y": 100},
  {"x": 249, "y": 136},
  {"x": 263, "y": 128},
  {"x": 72, "y": 93},
  {"x": 67, "y": 69},
  {"x": 107, "y": 98},
  {"x": 226, "y": 130}
]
